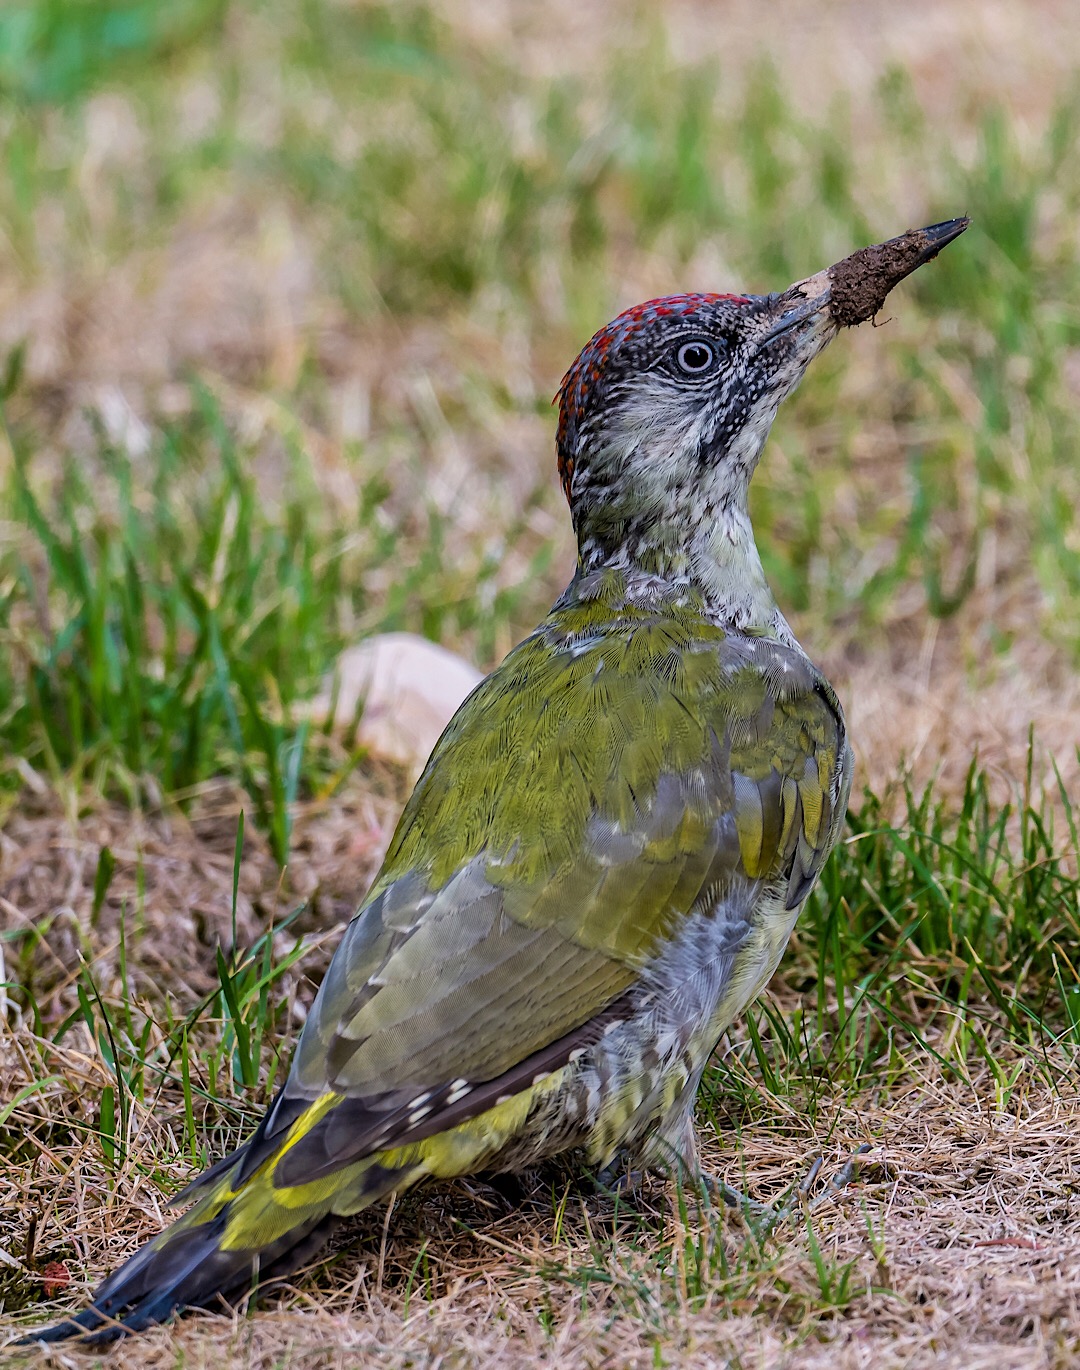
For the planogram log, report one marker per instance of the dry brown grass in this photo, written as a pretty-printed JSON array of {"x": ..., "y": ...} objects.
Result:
[
  {"x": 962, "y": 1233},
  {"x": 979, "y": 1267}
]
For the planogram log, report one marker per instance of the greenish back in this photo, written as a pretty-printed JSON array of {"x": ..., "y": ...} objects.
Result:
[{"x": 625, "y": 768}]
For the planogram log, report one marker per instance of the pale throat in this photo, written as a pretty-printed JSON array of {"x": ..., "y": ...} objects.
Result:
[
  {"x": 682, "y": 521},
  {"x": 725, "y": 563},
  {"x": 710, "y": 549}
]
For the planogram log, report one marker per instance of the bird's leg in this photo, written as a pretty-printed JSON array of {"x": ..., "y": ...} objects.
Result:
[
  {"x": 847, "y": 1173},
  {"x": 758, "y": 1215},
  {"x": 621, "y": 1178},
  {"x": 764, "y": 1218},
  {"x": 618, "y": 1178},
  {"x": 770, "y": 1216},
  {"x": 673, "y": 1150}
]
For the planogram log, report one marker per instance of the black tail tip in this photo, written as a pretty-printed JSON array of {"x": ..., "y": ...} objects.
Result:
[{"x": 91, "y": 1326}]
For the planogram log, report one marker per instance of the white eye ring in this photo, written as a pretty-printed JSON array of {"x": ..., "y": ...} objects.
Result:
[{"x": 695, "y": 357}]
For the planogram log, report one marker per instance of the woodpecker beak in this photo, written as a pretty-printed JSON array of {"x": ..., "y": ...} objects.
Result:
[
  {"x": 796, "y": 314},
  {"x": 854, "y": 290}
]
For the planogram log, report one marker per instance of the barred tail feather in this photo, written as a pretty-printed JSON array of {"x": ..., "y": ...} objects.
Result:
[
  {"x": 265, "y": 1209},
  {"x": 186, "y": 1267},
  {"x": 243, "y": 1230}
]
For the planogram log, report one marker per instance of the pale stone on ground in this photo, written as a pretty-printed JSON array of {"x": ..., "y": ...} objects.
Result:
[{"x": 405, "y": 688}]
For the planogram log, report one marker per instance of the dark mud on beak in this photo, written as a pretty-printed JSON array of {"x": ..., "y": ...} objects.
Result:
[{"x": 860, "y": 282}]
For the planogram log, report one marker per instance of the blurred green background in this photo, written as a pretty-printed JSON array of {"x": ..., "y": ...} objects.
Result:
[{"x": 287, "y": 287}]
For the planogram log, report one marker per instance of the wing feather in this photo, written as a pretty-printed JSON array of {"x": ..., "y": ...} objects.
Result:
[{"x": 591, "y": 794}]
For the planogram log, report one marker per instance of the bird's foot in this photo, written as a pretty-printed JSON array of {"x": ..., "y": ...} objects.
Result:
[
  {"x": 617, "y": 1181},
  {"x": 764, "y": 1219}
]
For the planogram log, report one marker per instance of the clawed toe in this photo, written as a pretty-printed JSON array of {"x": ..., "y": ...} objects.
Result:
[
  {"x": 763, "y": 1219},
  {"x": 618, "y": 1182}
]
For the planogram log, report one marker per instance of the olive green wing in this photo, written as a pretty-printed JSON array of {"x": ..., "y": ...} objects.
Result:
[
  {"x": 791, "y": 768},
  {"x": 589, "y": 797}
]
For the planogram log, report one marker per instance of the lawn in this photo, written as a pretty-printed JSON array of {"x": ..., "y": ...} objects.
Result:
[{"x": 285, "y": 291}]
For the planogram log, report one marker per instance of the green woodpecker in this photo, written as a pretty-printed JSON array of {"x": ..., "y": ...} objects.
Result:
[{"x": 604, "y": 858}]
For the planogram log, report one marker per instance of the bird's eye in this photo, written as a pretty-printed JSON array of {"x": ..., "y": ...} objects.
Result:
[{"x": 695, "y": 357}]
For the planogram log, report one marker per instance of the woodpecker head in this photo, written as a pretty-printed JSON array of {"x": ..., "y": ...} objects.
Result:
[{"x": 664, "y": 414}]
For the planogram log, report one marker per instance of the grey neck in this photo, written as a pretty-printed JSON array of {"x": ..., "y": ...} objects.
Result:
[{"x": 720, "y": 561}]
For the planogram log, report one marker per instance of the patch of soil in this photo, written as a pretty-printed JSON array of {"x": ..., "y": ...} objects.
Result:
[{"x": 861, "y": 282}]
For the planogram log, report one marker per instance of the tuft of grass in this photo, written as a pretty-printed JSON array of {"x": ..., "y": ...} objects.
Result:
[
  {"x": 160, "y": 620},
  {"x": 52, "y": 52},
  {"x": 946, "y": 931},
  {"x": 940, "y": 945},
  {"x": 162, "y": 614},
  {"x": 158, "y": 633}
]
